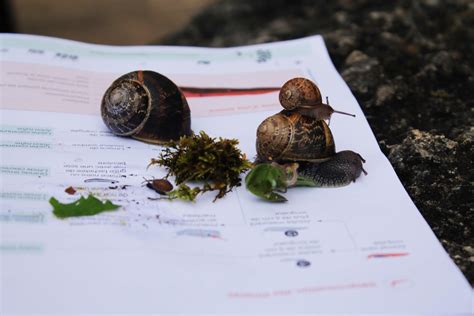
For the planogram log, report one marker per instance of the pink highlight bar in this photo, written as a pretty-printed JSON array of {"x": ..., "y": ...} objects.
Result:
[
  {"x": 396, "y": 283},
  {"x": 219, "y": 92},
  {"x": 387, "y": 255}
]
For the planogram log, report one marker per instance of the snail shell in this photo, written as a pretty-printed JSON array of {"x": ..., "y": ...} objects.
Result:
[
  {"x": 299, "y": 91},
  {"x": 146, "y": 106},
  {"x": 290, "y": 136}
]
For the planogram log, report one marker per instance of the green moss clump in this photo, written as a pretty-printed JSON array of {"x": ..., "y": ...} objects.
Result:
[{"x": 217, "y": 163}]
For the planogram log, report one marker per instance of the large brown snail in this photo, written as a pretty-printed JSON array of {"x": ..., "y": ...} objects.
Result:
[
  {"x": 290, "y": 136},
  {"x": 146, "y": 106},
  {"x": 300, "y": 134}
]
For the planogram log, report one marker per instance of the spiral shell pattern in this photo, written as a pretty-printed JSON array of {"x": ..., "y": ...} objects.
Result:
[
  {"x": 299, "y": 91},
  {"x": 126, "y": 107},
  {"x": 289, "y": 136},
  {"x": 147, "y": 106}
]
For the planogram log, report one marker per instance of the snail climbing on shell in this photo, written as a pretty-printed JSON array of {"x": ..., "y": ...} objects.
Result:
[
  {"x": 303, "y": 96},
  {"x": 146, "y": 106},
  {"x": 299, "y": 134}
]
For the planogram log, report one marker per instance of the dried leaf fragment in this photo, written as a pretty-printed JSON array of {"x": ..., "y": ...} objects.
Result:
[
  {"x": 160, "y": 186},
  {"x": 70, "y": 190}
]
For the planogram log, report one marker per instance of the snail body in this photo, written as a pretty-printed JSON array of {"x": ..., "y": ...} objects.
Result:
[
  {"x": 321, "y": 111},
  {"x": 147, "y": 106},
  {"x": 342, "y": 169}
]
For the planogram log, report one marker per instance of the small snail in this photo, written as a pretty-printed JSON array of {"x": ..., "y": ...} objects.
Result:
[
  {"x": 298, "y": 92},
  {"x": 293, "y": 135},
  {"x": 146, "y": 106},
  {"x": 303, "y": 96}
]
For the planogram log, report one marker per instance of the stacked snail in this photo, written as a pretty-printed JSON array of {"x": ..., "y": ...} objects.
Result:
[{"x": 300, "y": 134}]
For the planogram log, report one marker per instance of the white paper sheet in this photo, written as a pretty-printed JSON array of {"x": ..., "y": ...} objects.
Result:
[{"x": 356, "y": 249}]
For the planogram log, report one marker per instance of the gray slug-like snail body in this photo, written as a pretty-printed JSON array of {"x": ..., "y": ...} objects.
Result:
[
  {"x": 146, "y": 106},
  {"x": 300, "y": 134},
  {"x": 342, "y": 169}
]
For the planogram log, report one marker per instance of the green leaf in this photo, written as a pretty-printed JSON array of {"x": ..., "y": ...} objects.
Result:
[
  {"x": 264, "y": 179},
  {"x": 185, "y": 193},
  {"x": 82, "y": 207},
  {"x": 275, "y": 197},
  {"x": 304, "y": 182}
]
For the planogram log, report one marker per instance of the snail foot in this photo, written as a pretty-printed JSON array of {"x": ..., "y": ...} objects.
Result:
[{"x": 342, "y": 169}]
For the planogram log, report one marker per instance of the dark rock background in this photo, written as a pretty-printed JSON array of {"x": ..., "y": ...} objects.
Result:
[{"x": 410, "y": 64}]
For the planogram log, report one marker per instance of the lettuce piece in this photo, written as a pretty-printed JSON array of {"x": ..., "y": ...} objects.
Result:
[{"x": 82, "y": 207}]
